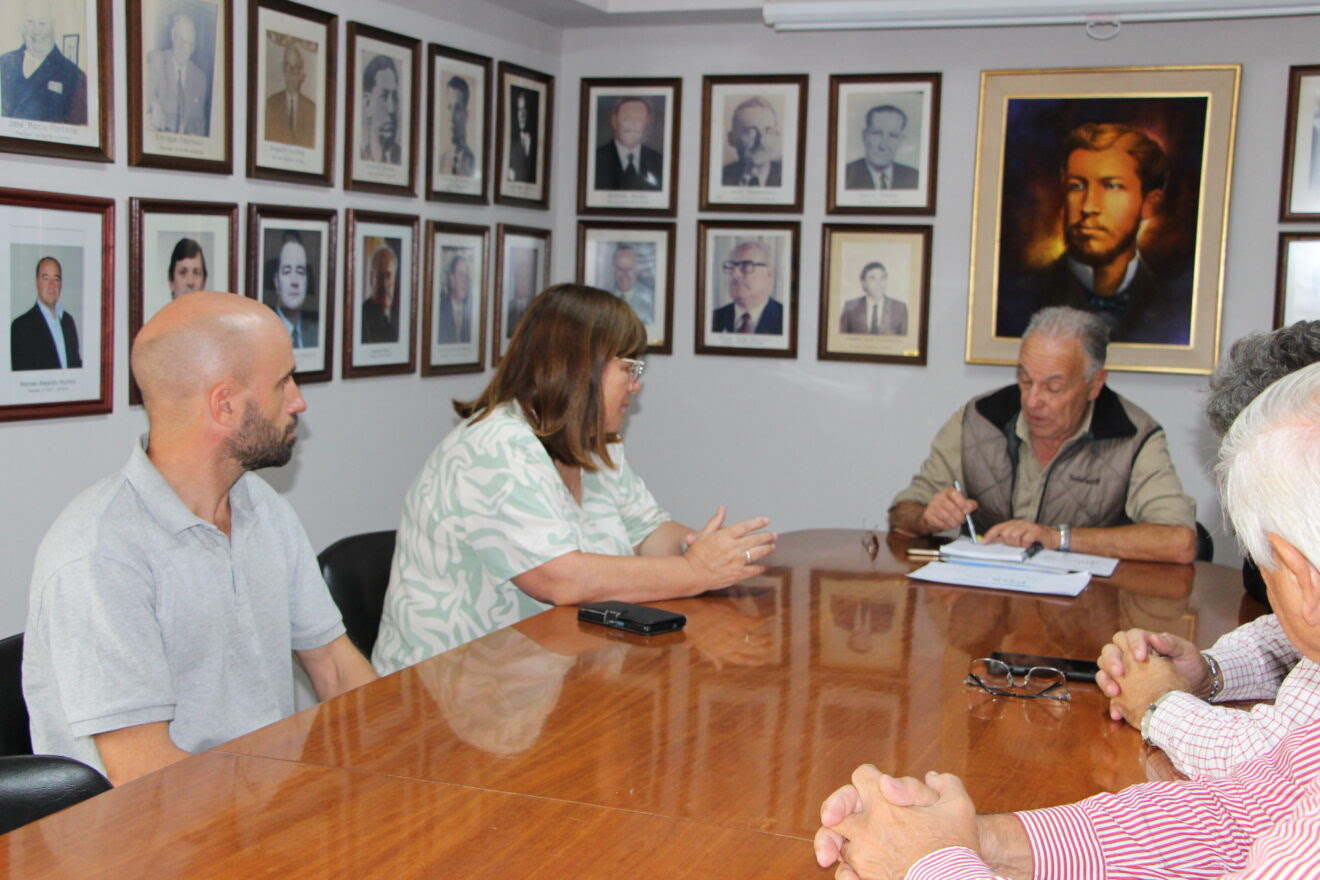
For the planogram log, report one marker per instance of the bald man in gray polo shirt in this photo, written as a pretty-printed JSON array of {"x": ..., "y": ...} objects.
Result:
[{"x": 167, "y": 599}]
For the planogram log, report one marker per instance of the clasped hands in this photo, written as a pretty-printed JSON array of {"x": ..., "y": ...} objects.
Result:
[
  {"x": 1138, "y": 667},
  {"x": 949, "y": 508},
  {"x": 879, "y": 825}
]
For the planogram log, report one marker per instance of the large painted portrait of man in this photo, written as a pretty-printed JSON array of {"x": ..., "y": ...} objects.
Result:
[{"x": 1105, "y": 192}]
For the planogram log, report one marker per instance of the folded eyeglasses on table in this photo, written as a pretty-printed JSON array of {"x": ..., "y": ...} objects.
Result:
[{"x": 996, "y": 678}]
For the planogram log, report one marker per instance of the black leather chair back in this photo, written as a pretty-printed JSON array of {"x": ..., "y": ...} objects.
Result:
[
  {"x": 33, "y": 786},
  {"x": 15, "y": 736},
  {"x": 1205, "y": 545},
  {"x": 357, "y": 570}
]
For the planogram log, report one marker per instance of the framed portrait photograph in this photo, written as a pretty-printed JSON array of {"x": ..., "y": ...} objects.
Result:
[
  {"x": 291, "y": 268},
  {"x": 747, "y": 288},
  {"x": 628, "y": 146},
  {"x": 1297, "y": 293},
  {"x": 522, "y": 267},
  {"x": 1300, "y": 199},
  {"x": 633, "y": 261},
  {"x": 380, "y": 294},
  {"x": 458, "y": 125},
  {"x": 380, "y": 140},
  {"x": 180, "y": 84},
  {"x": 56, "y": 79},
  {"x": 1105, "y": 190},
  {"x": 753, "y": 138},
  {"x": 454, "y": 322},
  {"x": 875, "y": 293},
  {"x": 57, "y": 256},
  {"x": 176, "y": 248},
  {"x": 884, "y": 139},
  {"x": 525, "y": 120},
  {"x": 291, "y": 78}
]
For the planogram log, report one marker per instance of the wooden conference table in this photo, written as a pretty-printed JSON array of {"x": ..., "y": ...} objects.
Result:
[{"x": 559, "y": 749}]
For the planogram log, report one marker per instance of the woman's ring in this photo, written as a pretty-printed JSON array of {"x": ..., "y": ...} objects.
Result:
[{"x": 748, "y": 554}]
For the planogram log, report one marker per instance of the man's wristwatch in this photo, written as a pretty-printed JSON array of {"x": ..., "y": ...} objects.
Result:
[
  {"x": 1146, "y": 716},
  {"x": 1065, "y": 537}
]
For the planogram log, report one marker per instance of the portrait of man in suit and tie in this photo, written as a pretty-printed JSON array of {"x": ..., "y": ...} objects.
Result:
[
  {"x": 380, "y": 110},
  {"x": 522, "y": 135},
  {"x": 46, "y": 336},
  {"x": 36, "y": 81},
  {"x": 458, "y": 158},
  {"x": 749, "y": 278},
  {"x": 626, "y": 279},
  {"x": 874, "y": 312},
  {"x": 291, "y": 284},
  {"x": 625, "y": 161},
  {"x": 883, "y": 134},
  {"x": 454, "y": 321},
  {"x": 380, "y": 308},
  {"x": 755, "y": 137},
  {"x": 290, "y": 114},
  {"x": 178, "y": 90}
]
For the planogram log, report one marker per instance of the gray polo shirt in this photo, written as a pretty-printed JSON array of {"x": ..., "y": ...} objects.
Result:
[{"x": 141, "y": 612}]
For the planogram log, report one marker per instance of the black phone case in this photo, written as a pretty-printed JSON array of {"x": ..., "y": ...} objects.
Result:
[
  {"x": 641, "y": 619},
  {"x": 1073, "y": 670}
]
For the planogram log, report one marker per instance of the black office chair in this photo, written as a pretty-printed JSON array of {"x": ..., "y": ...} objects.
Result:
[
  {"x": 357, "y": 570},
  {"x": 33, "y": 786},
  {"x": 1205, "y": 545},
  {"x": 15, "y": 737}
]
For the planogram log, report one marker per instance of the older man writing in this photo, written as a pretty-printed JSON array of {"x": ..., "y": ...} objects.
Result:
[{"x": 1058, "y": 459}]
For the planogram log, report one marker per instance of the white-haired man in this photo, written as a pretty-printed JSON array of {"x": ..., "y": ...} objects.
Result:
[
  {"x": 1262, "y": 820},
  {"x": 1058, "y": 459}
]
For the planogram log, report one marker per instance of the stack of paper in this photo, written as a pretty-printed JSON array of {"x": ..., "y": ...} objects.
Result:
[{"x": 1020, "y": 578}]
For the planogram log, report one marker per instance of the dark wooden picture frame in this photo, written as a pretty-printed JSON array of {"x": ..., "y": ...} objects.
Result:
[
  {"x": 529, "y": 273},
  {"x": 362, "y": 172},
  {"x": 182, "y": 121},
  {"x": 79, "y": 232},
  {"x": 774, "y": 331},
  {"x": 179, "y": 252},
  {"x": 757, "y": 113},
  {"x": 453, "y": 344},
  {"x": 85, "y": 130},
  {"x": 522, "y": 176},
  {"x": 397, "y": 233},
  {"x": 457, "y": 172},
  {"x": 1300, "y": 196},
  {"x": 648, "y": 272},
  {"x": 1297, "y": 285},
  {"x": 282, "y": 139},
  {"x": 300, "y": 245},
  {"x": 647, "y": 111},
  {"x": 883, "y": 143},
  {"x": 860, "y": 267}
]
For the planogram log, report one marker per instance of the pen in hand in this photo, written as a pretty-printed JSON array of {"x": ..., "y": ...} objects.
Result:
[{"x": 971, "y": 529}]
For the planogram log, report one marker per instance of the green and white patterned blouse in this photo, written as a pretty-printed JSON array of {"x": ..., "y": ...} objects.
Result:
[{"x": 488, "y": 506}]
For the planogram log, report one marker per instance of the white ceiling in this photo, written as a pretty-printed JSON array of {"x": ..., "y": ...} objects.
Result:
[{"x": 594, "y": 13}]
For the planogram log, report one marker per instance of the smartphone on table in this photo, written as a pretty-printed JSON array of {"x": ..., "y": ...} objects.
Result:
[{"x": 1073, "y": 670}]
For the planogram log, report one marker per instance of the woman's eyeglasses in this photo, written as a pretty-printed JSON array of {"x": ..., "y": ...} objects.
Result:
[
  {"x": 995, "y": 678},
  {"x": 635, "y": 367}
]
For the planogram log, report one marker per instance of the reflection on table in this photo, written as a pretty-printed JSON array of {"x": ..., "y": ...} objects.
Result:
[{"x": 740, "y": 723}]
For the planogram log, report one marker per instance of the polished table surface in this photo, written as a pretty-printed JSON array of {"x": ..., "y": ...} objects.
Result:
[{"x": 556, "y": 748}]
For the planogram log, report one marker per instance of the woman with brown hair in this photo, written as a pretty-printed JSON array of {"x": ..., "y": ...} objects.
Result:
[{"x": 530, "y": 502}]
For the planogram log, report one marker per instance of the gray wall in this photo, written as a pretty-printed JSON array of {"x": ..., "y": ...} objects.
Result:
[{"x": 806, "y": 442}]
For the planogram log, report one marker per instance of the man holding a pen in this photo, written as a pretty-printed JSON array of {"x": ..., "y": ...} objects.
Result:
[{"x": 1058, "y": 459}]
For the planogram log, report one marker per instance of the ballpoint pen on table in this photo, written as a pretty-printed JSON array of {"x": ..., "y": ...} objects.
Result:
[{"x": 970, "y": 528}]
